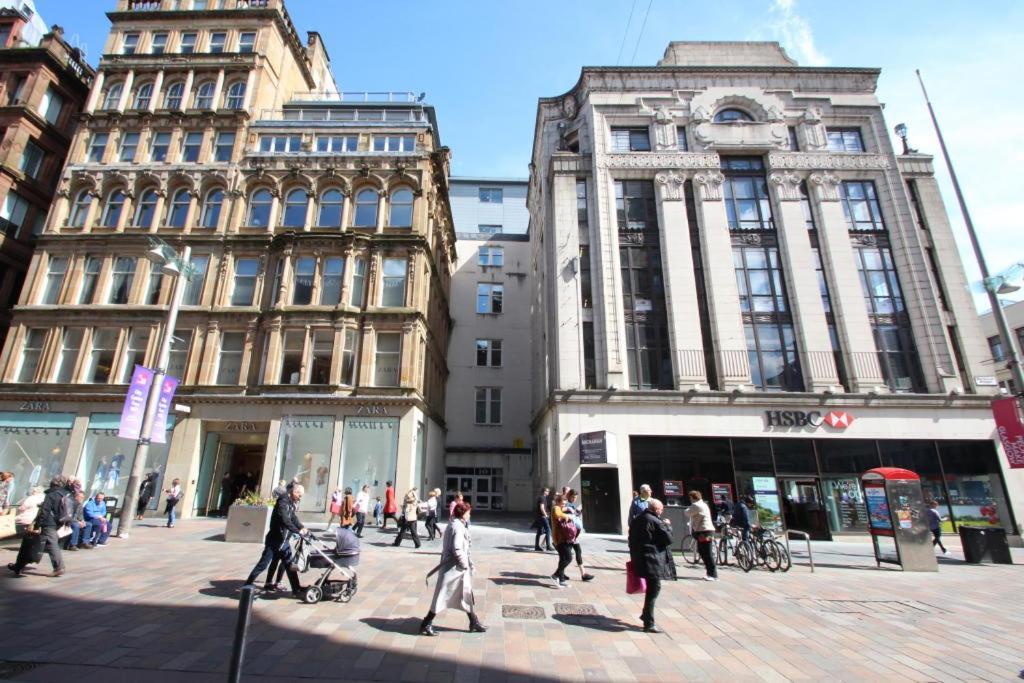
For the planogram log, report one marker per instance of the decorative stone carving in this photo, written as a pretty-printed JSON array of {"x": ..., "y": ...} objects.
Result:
[
  {"x": 787, "y": 185},
  {"x": 683, "y": 160},
  {"x": 710, "y": 184},
  {"x": 774, "y": 114},
  {"x": 670, "y": 185},
  {"x": 698, "y": 114},
  {"x": 569, "y": 107},
  {"x": 866, "y": 240},
  {"x": 811, "y": 115},
  {"x": 750, "y": 238},
  {"x": 826, "y": 186},
  {"x": 812, "y": 161}
]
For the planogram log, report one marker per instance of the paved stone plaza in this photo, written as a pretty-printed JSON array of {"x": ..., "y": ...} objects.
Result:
[{"x": 162, "y": 607}]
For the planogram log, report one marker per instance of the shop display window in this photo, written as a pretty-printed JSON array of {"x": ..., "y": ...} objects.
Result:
[
  {"x": 976, "y": 493},
  {"x": 847, "y": 456},
  {"x": 107, "y": 459},
  {"x": 33, "y": 447},
  {"x": 304, "y": 454},
  {"x": 369, "y": 453},
  {"x": 794, "y": 456}
]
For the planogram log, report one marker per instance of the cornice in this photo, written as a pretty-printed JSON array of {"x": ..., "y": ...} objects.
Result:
[
  {"x": 659, "y": 160},
  {"x": 813, "y": 161}
]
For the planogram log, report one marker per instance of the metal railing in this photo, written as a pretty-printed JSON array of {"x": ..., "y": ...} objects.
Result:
[
  {"x": 345, "y": 115},
  {"x": 406, "y": 96},
  {"x": 807, "y": 538}
]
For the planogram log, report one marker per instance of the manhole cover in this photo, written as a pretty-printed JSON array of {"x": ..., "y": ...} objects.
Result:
[
  {"x": 12, "y": 669},
  {"x": 575, "y": 609},
  {"x": 522, "y": 612}
]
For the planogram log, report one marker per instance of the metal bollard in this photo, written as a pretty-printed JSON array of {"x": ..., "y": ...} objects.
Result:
[
  {"x": 807, "y": 537},
  {"x": 241, "y": 629}
]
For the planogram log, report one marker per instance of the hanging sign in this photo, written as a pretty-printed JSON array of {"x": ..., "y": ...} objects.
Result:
[
  {"x": 1011, "y": 431},
  {"x": 163, "y": 408},
  {"x": 135, "y": 403}
]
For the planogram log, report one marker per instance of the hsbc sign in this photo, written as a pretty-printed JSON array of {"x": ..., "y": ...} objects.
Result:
[{"x": 837, "y": 419}]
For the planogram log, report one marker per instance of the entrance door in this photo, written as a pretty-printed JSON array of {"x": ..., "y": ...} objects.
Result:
[
  {"x": 600, "y": 487},
  {"x": 226, "y": 471},
  {"x": 803, "y": 507}
]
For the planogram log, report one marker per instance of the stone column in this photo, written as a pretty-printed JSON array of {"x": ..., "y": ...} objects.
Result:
[
  {"x": 158, "y": 86},
  {"x": 723, "y": 294},
  {"x": 310, "y": 209},
  {"x": 96, "y": 93},
  {"x": 218, "y": 89},
  {"x": 680, "y": 283},
  {"x": 250, "y": 85},
  {"x": 565, "y": 280},
  {"x": 852, "y": 323},
  {"x": 272, "y": 367},
  {"x": 126, "y": 94},
  {"x": 211, "y": 351},
  {"x": 813, "y": 343},
  {"x": 186, "y": 95}
]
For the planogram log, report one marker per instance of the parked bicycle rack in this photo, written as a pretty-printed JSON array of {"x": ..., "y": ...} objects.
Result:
[{"x": 807, "y": 537}]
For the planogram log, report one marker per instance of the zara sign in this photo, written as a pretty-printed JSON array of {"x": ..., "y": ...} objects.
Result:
[{"x": 837, "y": 419}]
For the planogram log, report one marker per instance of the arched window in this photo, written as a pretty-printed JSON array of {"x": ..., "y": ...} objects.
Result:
[
  {"x": 204, "y": 96},
  {"x": 80, "y": 209},
  {"x": 331, "y": 202},
  {"x": 366, "y": 209},
  {"x": 259, "y": 208},
  {"x": 179, "y": 209},
  {"x": 730, "y": 115},
  {"x": 146, "y": 209},
  {"x": 236, "y": 95},
  {"x": 400, "y": 214},
  {"x": 211, "y": 208},
  {"x": 143, "y": 97},
  {"x": 112, "y": 211},
  {"x": 294, "y": 209},
  {"x": 113, "y": 97},
  {"x": 175, "y": 93}
]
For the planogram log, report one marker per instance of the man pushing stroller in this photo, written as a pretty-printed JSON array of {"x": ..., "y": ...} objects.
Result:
[{"x": 283, "y": 521}]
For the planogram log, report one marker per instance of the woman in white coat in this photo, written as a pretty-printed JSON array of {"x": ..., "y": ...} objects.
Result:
[{"x": 454, "y": 574}]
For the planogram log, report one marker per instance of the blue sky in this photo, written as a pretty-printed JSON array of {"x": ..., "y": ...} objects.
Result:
[{"x": 484, "y": 64}]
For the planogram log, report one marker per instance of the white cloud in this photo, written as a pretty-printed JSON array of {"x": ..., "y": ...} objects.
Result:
[{"x": 794, "y": 32}]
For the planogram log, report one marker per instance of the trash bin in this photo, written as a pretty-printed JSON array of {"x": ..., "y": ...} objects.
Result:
[{"x": 985, "y": 544}]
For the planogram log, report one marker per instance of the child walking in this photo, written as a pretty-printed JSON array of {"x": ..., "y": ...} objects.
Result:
[{"x": 378, "y": 512}]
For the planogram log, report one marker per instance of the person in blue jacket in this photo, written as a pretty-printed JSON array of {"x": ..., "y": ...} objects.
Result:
[
  {"x": 639, "y": 503},
  {"x": 97, "y": 528}
]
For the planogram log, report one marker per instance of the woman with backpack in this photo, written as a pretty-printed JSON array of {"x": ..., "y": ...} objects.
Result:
[
  {"x": 563, "y": 534},
  {"x": 577, "y": 520}
]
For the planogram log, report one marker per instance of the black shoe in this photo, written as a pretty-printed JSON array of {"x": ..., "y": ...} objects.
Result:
[
  {"x": 426, "y": 628},
  {"x": 14, "y": 568},
  {"x": 652, "y": 628},
  {"x": 538, "y": 549},
  {"x": 588, "y": 577},
  {"x": 271, "y": 588},
  {"x": 299, "y": 594},
  {"x": 474, "y": 624}
]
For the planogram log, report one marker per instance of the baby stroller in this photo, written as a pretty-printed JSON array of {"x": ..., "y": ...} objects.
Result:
[{"x": 314, "y": 554}]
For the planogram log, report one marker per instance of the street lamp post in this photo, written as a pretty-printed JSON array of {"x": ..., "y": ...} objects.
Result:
[
  {"x": 164, "y": 257},
  {"x": 992, "y": 284}
]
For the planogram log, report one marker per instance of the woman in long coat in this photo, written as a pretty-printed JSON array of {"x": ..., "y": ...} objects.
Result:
[
  {"x": 454, "y": 574},
  {"x": 650, "y": 551}
]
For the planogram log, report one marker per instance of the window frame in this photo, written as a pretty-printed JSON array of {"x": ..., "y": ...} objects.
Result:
[
  {"x": 220, "y": 146},
  {"x": 174, "y": 96},
  {"x": 396, "y": 354},
  {"x": 129, "y": 141},
  {"x": 237, "y": 277},
  {"x": 119, "y": 289},
  {"x": 362, "y": 208},
  {"x": 142, "y": 98},
  {"x": 204, "y": 94},
  {"x": 630, "y": 139},
  {"x": 97, "y": 147},
  {"x": 844, "y": 139},
  {"x": 491, "y": 195},
  {"x": 732, "y": 115},
  {"x": 187, "y": 42},
  {"x": 190, "y": 150},
  {"x": 235, "y": 100},
  {"x": 112, "y": 97},
  {"x": 488, "y": 398},
  {"x": 156, "y": 45},
  {"x": 239, "y": 354},
  {"x": 209, "y": 206},
  {"x": 321, "y": 204},
  {"x": 398, "y": 300},
  {"x": 32, "y": 159},
  {"x": 80, "y": 208},
  {"x": 178, "y": 208},
  {"x": 256, "y": 202},
  {"x": 491, "y": 256},
  {"x": 293, "y": 212},
  {"x": 485, "y": 291},
  {"x": 217, "y": 43},
  {"x": 54, "y": 282},
  {"x": 487, "y": 350},
  {"x": 159, "y": 146},
  {"x": 112, "y": 210}
]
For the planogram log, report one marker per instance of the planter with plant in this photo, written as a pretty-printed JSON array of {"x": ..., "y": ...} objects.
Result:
[{"x": 248, "y": 518}]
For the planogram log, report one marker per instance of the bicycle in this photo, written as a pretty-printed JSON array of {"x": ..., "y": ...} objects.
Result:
[
  {"x": 729, "y": 543},
  {"x": 688, "y": 547}
]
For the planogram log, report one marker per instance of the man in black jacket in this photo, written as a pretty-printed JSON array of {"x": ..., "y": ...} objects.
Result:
[
  {"x": 650, "y": 551},
  {"x": 53, "y": 513},
  {"x": 283, "y": 521}
]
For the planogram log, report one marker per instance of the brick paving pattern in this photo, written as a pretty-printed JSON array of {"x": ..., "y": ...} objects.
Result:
[{"x": 162, "y": 607}]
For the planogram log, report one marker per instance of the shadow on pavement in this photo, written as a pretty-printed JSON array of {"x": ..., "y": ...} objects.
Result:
[
  {"x": 216, "y": 537},
  {"x": 409, "y": 626},
  {"x": 519, "y": 548},
  {"x": 224, "y": 589},
  {"x": 598, "y": 623},
  {"x": 521, "y": 579}
]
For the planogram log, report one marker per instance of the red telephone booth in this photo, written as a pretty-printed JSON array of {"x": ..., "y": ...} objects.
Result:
[{"x": 897, "y": 519}]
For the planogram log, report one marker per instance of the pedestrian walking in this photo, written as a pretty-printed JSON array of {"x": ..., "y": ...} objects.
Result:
[
  {"x": 53, "y": 514},
  {"x": 431, "y": 521},
  {"x": 390, "y": 507},
  {"x": 410, "y": 515},
  {"x": 6, "y": 490},
  {"x": 577, "y": 520},
  {"x": 378, "y": 512},
  {"x": 362, "y": 507},
  {"x": 454, "y": 589},
  {"x": 456, "y": 499},
  {"x": 542, "y": 520},
  {"x": 173, "y": 496},
  {"x": 336, "y": 498},
  {"x": 348, "y": 509},
  {"x": 650, "y": 551},
  {"x": 283, "y": 521},
  {"x": 639, "y": 503},
  {"x": 563, "y": 532},
  {"x": 146, "y": 490},
  {"x": 935, "y": 524},
  {"x": 703, "y": 529}
]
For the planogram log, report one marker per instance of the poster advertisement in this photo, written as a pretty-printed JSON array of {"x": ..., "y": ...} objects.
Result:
[
  {"x": 673, "y": 488},
  {"x": 721, "y": 493},
  {"x": 135, "y": 403},
  {"x": 878, "y": 507},
  {"x": 1010, "y": 430},
  {"x": 766, "y": 497},
  {"x": 163, "y": 409}
]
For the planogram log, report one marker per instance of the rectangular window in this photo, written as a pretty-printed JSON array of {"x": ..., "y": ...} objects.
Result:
[
  {"x": 194, "y": 287},
  {"x": 860, "y": 206},
  {"x": 491, "y": 195},
  {"x": 586, "y": 284},
  {"x": 156, "y": 280},
  {"x": 302, "y": 281},
  {"x": 995, "y": 344},
  {"x": 394, "y": 143},
  {"x": 217, "y": 42},
  {"x": 794, "y": 146},
  {"x": 98, "y": 145},
  {"x": 280, "y": 144},
  {"x": 394, "y": 282},
  {"x": 631, "y": 140},
  {"x": 246, "y": 272},
  {"x": 180, "y": 346},
  {"x": 159, "y": 44},
  {"x": 387, "y": 359},
  {"x": 13, "y": 213},
  {"x": 330, "y": 281},
  {"x": 51, "y": 106},
  {"x": 135, "y": 354},
  {"x": 747, "y": 203},
  {"x": 90, "y": 276},
  {"x": 291, "y": 359},
  {"x": 589, "y": 356},
  {"x": 191, "y": 143},
  {"x": 224, "y": 146},
  {"x": 57, "y": 269},
  {"x": 488, "y": 229},
  {"x": 491, "y": 256},
  {"x": 101, "y": 358},
  {"x": 129, "y": 144},
  {"x": 32, "y": 159},
  {"x": 489, "y": 297},
  {"x": 681, "y": 138},
  {"x": 121, "y": 277},
  {"x": 845, "y": 140},
  {"x": 348, "y": 357},
  {"x": 278, "y": 281},
  {"x": 488, "y": 406},
  {"x": 488, "y": 353},
  {"x": 229, "y": 367},
  {"x": 69, "y": 349},
  {"x": 188, "y": 43},
  {"x": 337, "y": 143},
  {"x": 247, "y": 41},
  {"x": 130, "y": 43},
  {"x": 158, "y": 146},
  {"x": 358, "y": 282},
  {"x": 30, "y": 355},
  {"x": 322, "y": 354}
]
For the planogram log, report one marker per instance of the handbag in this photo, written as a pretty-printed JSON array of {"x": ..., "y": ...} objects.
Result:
[
  {"x": 335, "y": 508},
  {"x": 634, "y": 584},
  {"x": 567, "y": 529}
]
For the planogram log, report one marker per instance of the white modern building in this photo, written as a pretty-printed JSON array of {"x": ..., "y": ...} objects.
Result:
[
  {"x": 1014, "y": 313},
  {"x": 743, "y": 289},
  {"x": 488, "y": 456}
]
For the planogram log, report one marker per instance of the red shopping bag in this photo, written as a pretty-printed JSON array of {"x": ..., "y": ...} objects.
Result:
[{"x": 634, "y": 583}]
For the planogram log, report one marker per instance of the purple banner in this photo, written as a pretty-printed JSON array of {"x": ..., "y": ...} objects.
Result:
[
  {"x": 135, "y": 403},
  {"x": 163, "y": 409}
]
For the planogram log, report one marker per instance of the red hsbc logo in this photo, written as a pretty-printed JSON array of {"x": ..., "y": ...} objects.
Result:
[{"x": 838, "y": 419}]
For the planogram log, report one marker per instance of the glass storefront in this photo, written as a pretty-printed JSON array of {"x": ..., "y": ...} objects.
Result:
[
  {"x": 304, "y": 454},
  {"x": 369, "y": 453},
  {"x": 33, "y": 447},
  {"x": 107, "y": 459}
]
